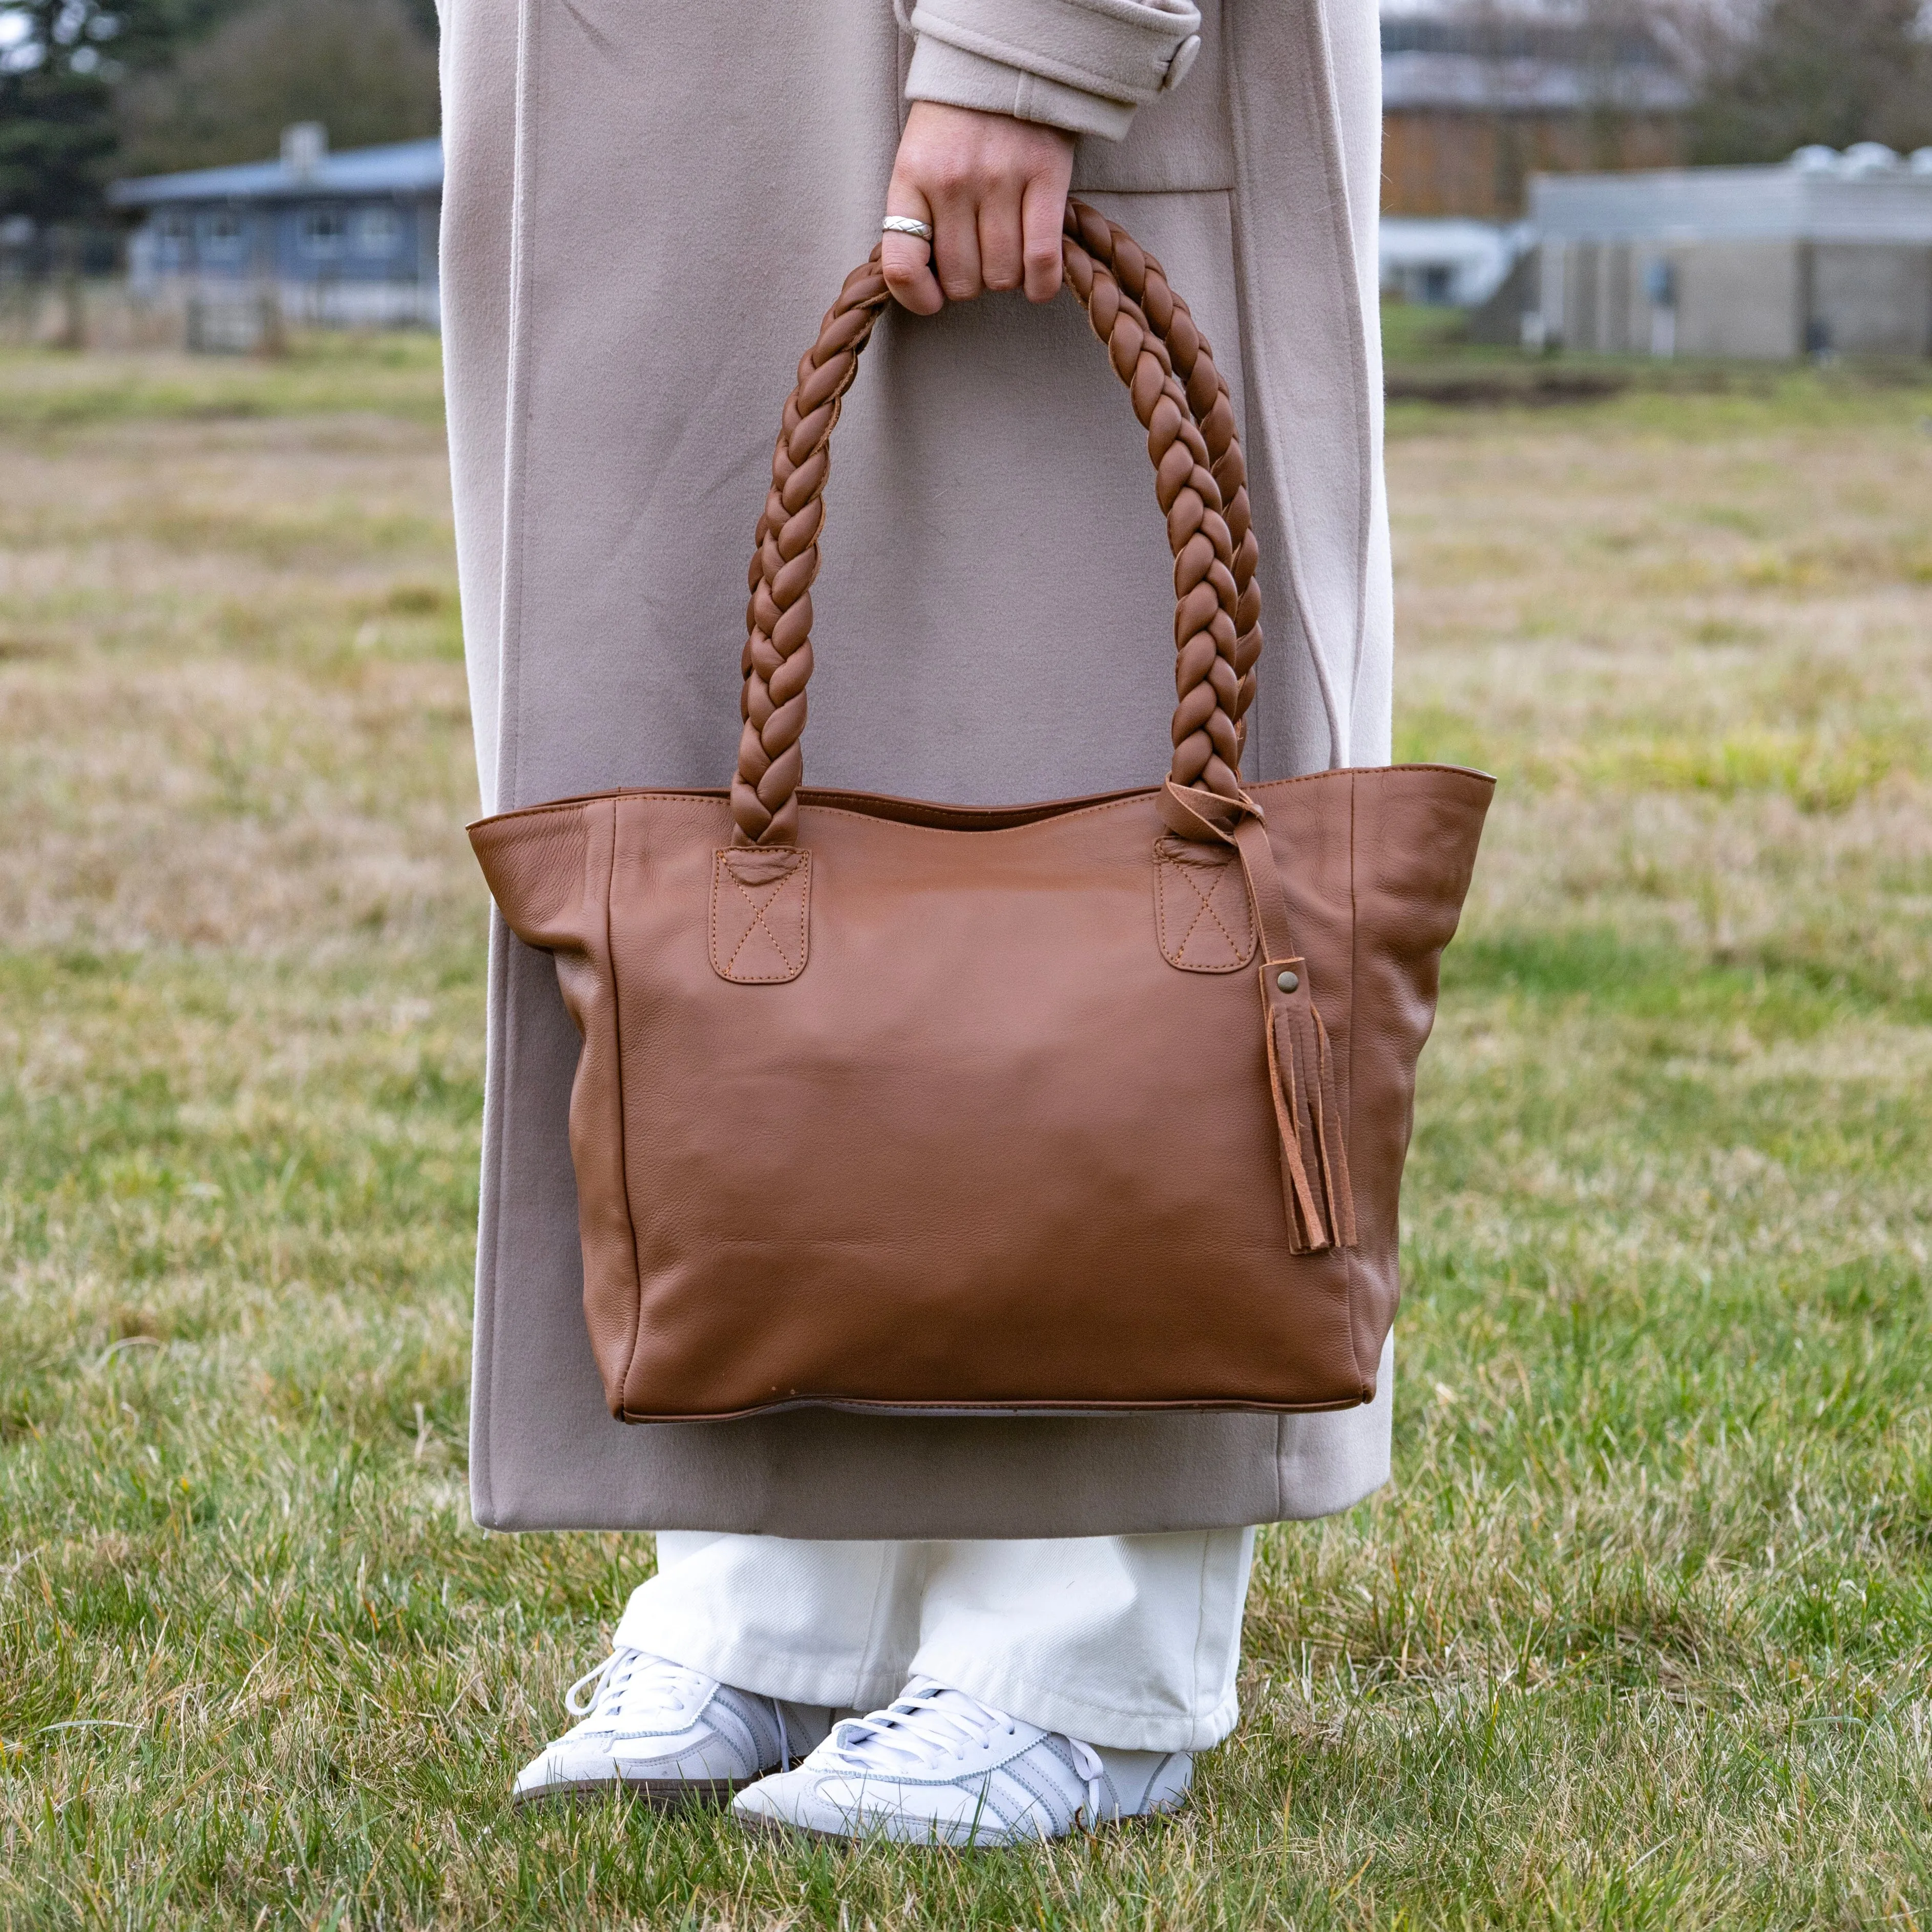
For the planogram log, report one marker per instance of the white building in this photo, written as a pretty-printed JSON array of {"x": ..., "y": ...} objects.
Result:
[
  {"x": 1447, "y": 260},
  {"x": 1825, "y": 253}
]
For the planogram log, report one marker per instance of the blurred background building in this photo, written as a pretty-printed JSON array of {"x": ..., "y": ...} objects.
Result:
[
  {"x": 1829, "y": 254},
  {"x": 1540, "y": 171},
  {"x": 1473, "y": 107},
  {"x": 314, "y": 238}
]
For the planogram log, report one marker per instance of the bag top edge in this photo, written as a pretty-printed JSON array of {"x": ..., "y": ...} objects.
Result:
[{"x": 987, "y": 818}]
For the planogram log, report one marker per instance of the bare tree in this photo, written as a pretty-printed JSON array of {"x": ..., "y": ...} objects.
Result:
[{"x": 1774, "y": 75}]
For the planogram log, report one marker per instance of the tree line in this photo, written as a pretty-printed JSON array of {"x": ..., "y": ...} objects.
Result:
[{"x": 1784, "y": 74}]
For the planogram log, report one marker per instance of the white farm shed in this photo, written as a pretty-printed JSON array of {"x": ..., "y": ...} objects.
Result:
[
  {"x": 1446, "y": 260},
  {"x": 1825, "y": 253}
]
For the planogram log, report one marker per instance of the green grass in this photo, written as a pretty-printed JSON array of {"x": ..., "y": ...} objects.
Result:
[
  {"x": 398, "y": 374},
  {"x": 1437, "y": 376},
  {"x": 1641, "y": 1635}
]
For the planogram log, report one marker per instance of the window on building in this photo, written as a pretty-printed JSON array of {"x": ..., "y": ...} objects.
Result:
[
  {"x": 174, "y": 226},
  {"x": 221, "y": 234},
  {"x": 319, "y": 231},
  {"x": 375, "y": 231}
]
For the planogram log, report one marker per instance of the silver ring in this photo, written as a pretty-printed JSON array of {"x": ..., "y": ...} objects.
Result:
[{"x": 905, "y": 224}]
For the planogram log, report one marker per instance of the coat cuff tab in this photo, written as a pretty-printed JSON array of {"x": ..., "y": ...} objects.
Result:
[
  {"x": 942, "y": 72},
  {"x": 1125, "y": 51}
]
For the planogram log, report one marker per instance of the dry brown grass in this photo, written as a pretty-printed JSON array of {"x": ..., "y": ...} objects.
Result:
[
  {"x": 1705, "y": 664},
  {"x": 231, "y": 689},
  {"x": 1640, "y": 1636}
]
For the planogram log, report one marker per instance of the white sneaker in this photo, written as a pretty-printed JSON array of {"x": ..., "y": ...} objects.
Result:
[
  {"x": 939, "y": 1767},
  {"x": 655, "y": 1730}
]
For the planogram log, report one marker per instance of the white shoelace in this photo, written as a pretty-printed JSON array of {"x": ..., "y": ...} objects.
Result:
[
  {"x": 630, "y": 1686},
  {"x": 633, "y": 1684},
  {"x": 929, "y": 1723}
]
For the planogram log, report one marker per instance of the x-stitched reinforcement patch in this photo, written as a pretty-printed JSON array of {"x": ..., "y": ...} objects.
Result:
[
  {"x": 1200, "y": 907},
  {"x": 761, "y": 914}
]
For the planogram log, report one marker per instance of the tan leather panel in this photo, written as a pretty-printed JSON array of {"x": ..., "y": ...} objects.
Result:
[
  {"x": 553, "y": 865},
  {"x": 990, "y": 1148}
]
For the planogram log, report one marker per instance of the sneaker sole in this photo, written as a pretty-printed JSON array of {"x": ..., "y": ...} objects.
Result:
[
  {"x": 659, "y": 1794},
  {"x": 781, "y": 1828}
]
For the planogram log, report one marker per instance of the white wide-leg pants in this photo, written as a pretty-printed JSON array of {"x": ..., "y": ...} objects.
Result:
[{"x": 1129, "y": 1642}]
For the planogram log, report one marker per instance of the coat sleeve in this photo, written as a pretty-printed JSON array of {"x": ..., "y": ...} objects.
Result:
[{"x": 1084, "y": 65}]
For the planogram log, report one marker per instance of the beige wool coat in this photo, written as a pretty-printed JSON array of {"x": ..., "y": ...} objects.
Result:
[{"x": 647, "y": 209}]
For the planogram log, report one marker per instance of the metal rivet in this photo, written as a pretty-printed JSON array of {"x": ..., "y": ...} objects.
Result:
[{"x": 1287, "y": 982}]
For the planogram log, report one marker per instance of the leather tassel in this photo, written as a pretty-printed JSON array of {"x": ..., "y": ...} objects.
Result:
[
  {"x": 1332, "y": 1140},
  {"x": 1315, "y": 1194},
  {"x": 1305, "y": 1231}
]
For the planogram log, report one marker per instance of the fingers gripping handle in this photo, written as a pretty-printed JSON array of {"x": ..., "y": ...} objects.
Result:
[{"x": 1181, "y": 400}]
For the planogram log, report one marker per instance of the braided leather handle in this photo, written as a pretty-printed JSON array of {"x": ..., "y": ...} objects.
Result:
[{"x": 1200, "y": 480}]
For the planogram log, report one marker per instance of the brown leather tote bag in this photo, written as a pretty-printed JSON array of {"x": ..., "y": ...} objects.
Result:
[{"x": 1098, "y": 1104}]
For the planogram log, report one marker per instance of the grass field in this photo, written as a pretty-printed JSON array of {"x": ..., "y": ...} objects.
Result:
[{"x": 1641, "y": 1635}]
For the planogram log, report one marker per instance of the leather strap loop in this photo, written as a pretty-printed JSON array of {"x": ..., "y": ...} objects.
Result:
[
  {"x": 1182, "y": 400},
  {"x": 1206, "y": 816}
]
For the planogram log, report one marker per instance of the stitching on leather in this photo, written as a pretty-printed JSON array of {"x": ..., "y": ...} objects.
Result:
[
  {"x": 758, "y": 912},
  {"x": 717, "y": 860},
  {"x": 800, "y": 873},
  {"x": 1164, "y": 865},
  {"x": 1207, "y": 905},
  {"x": 756, "y": 918},
  {"x": 1202, "y": 909},
  {"x": 1176, "y": 951}
]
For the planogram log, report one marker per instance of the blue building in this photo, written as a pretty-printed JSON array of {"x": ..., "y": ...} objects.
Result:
[{"x": 344, "y": 240}]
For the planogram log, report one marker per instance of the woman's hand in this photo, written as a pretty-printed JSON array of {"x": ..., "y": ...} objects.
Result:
[{"x": 995, "y": 190}]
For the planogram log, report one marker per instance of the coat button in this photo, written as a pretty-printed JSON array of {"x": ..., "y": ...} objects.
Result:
[
  {"x": 1181, "y": 65},
  {"x": 1287, "y": 982}
]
